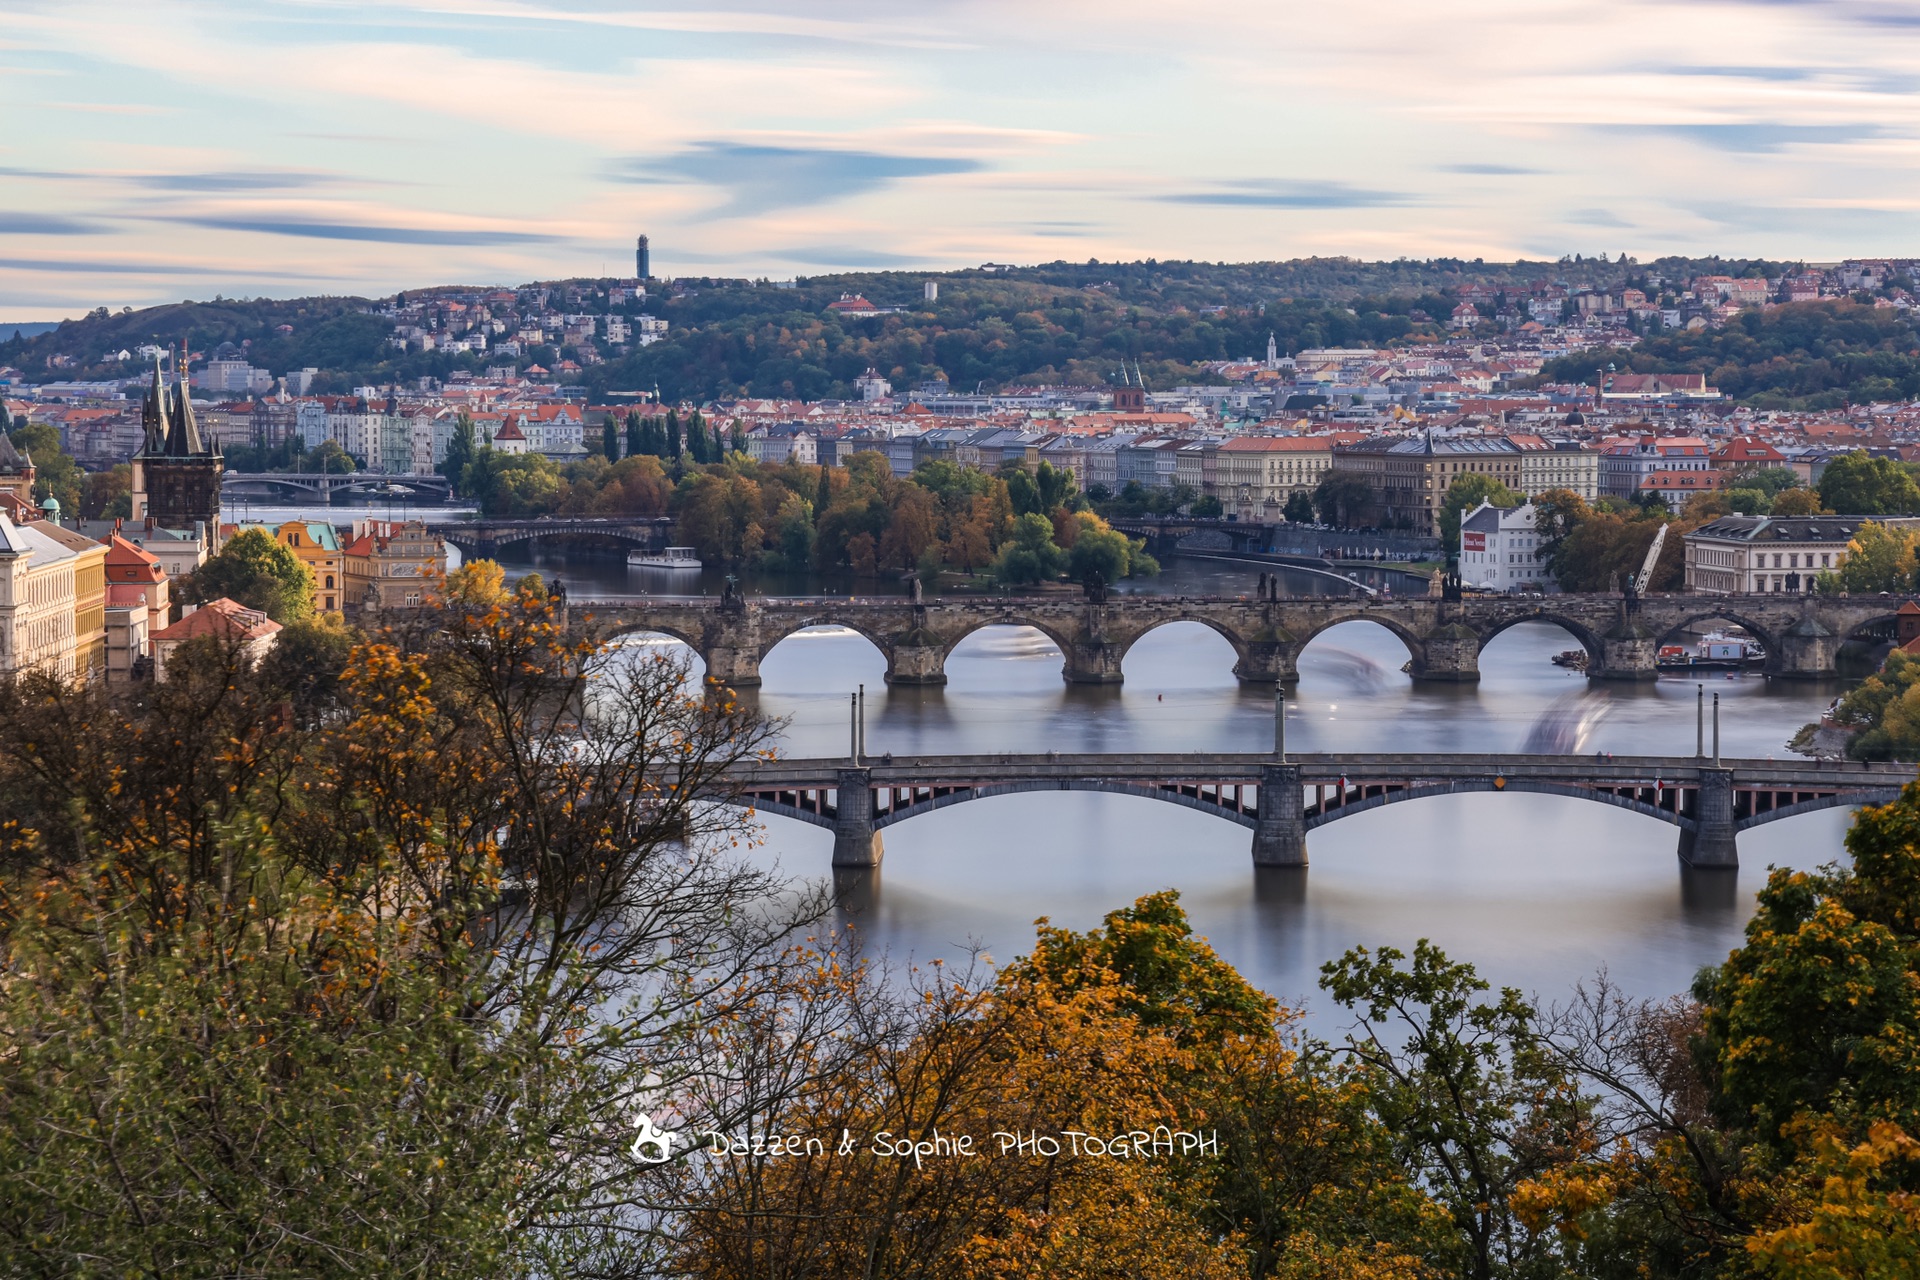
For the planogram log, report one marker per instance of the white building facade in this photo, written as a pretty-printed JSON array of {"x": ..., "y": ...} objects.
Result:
[{"x": 1500, "y": 550}]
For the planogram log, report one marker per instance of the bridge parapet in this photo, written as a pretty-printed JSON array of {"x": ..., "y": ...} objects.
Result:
[
  {"x": 1444, "y": 639},
  {"x": 1710, "y": 804}
]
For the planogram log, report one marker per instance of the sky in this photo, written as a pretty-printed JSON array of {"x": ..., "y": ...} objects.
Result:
[{"x": 173, "y": 149}]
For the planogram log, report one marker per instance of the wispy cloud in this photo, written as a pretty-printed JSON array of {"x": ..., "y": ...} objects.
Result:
[
  {"x": 1293, "y": 195},
  {"x": 317, "y": 230},
  {"x": 234, "y": 180},
  {"x": 1758, "y": 137},
  {"x": 763, "y": 178},
  {"x": 1492, "y": 170},
  {"x": 41, "y": 224},
  {"x": 840, "y": 255}
]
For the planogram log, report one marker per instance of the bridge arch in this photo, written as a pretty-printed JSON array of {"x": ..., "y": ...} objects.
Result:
[
  {"x": 816, "y": 626},
  {"x": 1886, "y": 795},
  {"x": 1166, "y": 795},
  {"x": 1581, "y": 633},
  {"x": 1232, "y": 637},
  {"x": 1487, "y": 785},
  {"x": 1760, "y": 631},
  {"x": 974, "y": 627}
]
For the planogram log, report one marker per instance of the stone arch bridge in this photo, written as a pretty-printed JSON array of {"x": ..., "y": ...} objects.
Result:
[
  {"x": 1710, "y": 801},
  {"x": 1621, "y": 637},
  {"x": 485, "y": 538}
]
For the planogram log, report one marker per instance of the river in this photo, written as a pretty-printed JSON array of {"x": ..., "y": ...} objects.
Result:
[{"x": 1537, "y": 891}]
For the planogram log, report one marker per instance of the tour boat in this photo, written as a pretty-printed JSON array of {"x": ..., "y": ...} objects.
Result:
[{"x": 671, "y": 558}]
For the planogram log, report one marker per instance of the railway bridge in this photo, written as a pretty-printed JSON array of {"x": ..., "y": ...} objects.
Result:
[
  {"x": 1621, "y": 635},
  {"x": 1280, "y": 799}
]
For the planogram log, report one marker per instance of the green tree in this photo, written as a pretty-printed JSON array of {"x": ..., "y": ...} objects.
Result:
[
  {"x": 259, "y": 572},
  {"x": 1344, "y": 500},
  {"x": 460, "y": 451},
  {"x": 55, "y": 474},
  {"x": 1299, "y": 508},
  {"x": 1772, "y": 481},
  {"x": 1879, "y": 558},
  {"x": 1884, "y": 711},
  {"x": 1207, "y": 507},
  {"x": 1475, "y": 1104},
  {"x": 1468, "y": 490},
  {"x": 1857, "y": 484},
  {"x": 1030, "y": 555},
  {"x": 636, "y": 439},
  {"x": 610, "y": 440},
  {"x": 1101, "y": 553}
]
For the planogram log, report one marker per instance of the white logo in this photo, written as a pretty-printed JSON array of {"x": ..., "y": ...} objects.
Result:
[{"x": 649, "y": 1137}]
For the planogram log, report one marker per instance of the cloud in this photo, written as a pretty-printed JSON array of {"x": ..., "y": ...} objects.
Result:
[
  {"x": 83, "y": 266},
  {"x": 1757, "y": 137},
  {"x": 233, "y": 180},
  {"x": 836, "y": 255},
  {"x": 1491, "y": 170},
  {"x": 1597, "y": 218},
  {"x": 762, "y": 178},
  {"x": 41, "y": 224},
  {"x": 1294, "y": 195},
  {"x": 315, "y": 230}
]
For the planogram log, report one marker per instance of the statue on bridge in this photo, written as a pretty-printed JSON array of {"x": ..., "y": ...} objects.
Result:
[
  {"x": 1094, "y": 586},
  {"x": 730, "y": 597}
]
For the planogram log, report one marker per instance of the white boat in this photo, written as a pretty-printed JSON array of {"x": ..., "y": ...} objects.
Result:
[{"x": 671, "y": 558}]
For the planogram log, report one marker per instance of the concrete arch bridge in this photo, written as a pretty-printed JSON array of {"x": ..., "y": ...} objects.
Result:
[
  {"x": 1709, "y": 801},
  {"x": 1621, "y": 637}
]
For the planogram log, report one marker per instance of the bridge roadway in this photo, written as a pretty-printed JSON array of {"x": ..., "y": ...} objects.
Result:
[
  {"x": 1621, "y": 637},
  {"x": 1709, "y": 801},
  {"x": 325, "y": 483}
]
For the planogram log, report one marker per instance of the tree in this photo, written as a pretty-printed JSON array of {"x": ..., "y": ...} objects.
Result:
[
  {"x": 460, "y": 451},
  {"x": 108, "y": 494},
  {"x": 1772, "y": 481},
  {"x": 1476, "y": 1106},
  {"x": 1299, "y": 508},
  {"x": 1101, "y": 553},
  {"x": 259, "y": 572},
  {"x": 1798, "y": 502},
  {"x": 673, "y": 446},
  {"x": 369, "y": 961},
  {"x": 1857, "y": 484},
  {"x": 1879, "y": 558},
  {"x": 610, "y": 440},
  {"x": 636, "y": 437},
  {"x": 1207, "y": 507},
  {"x": 307, "y": 662},
  {"x": 1343, "y": 499},
  {"x": 1468, "y": 490},
  {"x": 55, "y": 474},
  {"x": 1030, "y": 556}
]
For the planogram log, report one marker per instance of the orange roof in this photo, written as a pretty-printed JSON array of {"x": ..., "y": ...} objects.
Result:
[
  {"x": 1278, "y": 444},
  {"x": 223, "y": 617},
  {"x": 128, "y": 562}
]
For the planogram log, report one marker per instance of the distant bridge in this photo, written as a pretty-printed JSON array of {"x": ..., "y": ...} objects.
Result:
[
  {"x": 1281, "y": 800},
  {"x": 324, "y": 484},
  {"x": 1445, "y": 638},
  {"x": 485, "y": 538}
]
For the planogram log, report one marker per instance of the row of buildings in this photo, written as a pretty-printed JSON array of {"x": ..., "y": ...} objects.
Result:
[{"x": 91, "y": 600}]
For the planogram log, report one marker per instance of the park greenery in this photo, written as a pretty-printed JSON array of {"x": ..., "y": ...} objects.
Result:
[
  {"x": 379, "y": 974},
  {"x": 859, "y": 520}
]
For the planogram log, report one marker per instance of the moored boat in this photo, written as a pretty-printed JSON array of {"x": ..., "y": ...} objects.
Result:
[{"x": 670, "y": 558}]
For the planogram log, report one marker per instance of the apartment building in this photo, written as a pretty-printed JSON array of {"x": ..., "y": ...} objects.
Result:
[
  {"x": 1255, "y": 475},
  {"x": 1756, "y": 554}
]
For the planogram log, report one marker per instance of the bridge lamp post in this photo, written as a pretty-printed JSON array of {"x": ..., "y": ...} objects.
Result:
[
  {"x": 1700, "y": 722},
  {"x": 1280, "y": 724},
  {"x": 1716, "y": 731}
]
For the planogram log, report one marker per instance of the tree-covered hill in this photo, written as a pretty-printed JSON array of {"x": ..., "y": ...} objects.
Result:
[{"x": 1806, "y": 355}]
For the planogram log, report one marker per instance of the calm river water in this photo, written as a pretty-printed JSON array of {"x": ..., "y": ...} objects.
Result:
[{"x": 1537, "y": 891}]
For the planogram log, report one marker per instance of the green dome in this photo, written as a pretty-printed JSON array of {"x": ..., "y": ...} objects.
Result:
[{"x": 51, "y": 504}]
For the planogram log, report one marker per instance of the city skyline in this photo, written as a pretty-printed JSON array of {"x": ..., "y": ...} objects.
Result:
[{"x": 305, "y": 146}]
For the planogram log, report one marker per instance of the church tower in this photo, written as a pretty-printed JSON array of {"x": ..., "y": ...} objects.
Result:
[{"x": 176, "y": 476}]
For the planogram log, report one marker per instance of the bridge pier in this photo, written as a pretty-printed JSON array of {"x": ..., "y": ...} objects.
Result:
[
  {"x": 736, "y": 667},
  {"x": 1093, "y": 662},
  {"x": 1448, "y": 654},
  {"x": 1807, "y": 652},
  {"x": 1266, "y": 662},
  {"x": 917, "y": 664},
  {"x": 1712, "y": 841},
  {"x": 1280, "y": 838},
  {"x": 855, "y": 842},
  {"x": 1627, "y": 652}
]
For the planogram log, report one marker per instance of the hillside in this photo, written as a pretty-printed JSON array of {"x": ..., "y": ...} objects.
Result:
[{"x": 992, "y": 328}]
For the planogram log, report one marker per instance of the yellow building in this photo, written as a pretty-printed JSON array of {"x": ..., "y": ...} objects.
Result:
[
  {"x": 89, "y": 598},
  {"x": 36, "y": 601},
  {"x": 317, "y": 546},
  {"x": 1255, "y": 475}
]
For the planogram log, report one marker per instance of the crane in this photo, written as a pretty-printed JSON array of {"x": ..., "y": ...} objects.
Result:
[{"x": 1641, "y": 583}]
